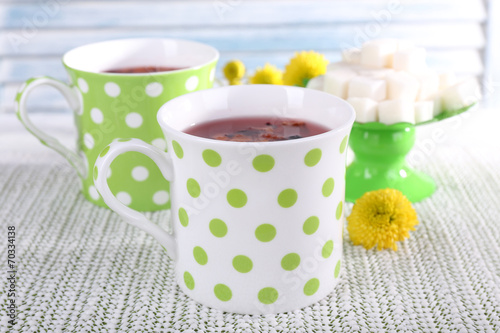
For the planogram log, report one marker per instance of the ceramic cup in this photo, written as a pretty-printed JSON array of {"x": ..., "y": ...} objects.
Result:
[
  {"x": 110, "y": 105},
  {"x": 257, "y": 227}
]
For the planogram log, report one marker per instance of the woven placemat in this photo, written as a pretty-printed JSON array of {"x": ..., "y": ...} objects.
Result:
[{"x": 81, "y": 269}]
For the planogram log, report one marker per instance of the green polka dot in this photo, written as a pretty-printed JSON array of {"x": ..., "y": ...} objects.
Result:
[
  {"x": 287, "y": 198},
  {"x": 312, "y": 157},
  {"x": 200, "y": 255},
  {"x": 327, "y": 249},
  {"x": 95, "y": 172},
  {"x": 268, "y": 295},
  {"x": 311, "y": 287},
  {"x": 311, "y": 225},
  {"x": 242, "y": 264},
  {"x": 337, "y": 269},
  {"x": 343, "y": 144},
  {"x": 124, "y": 140},
  {"x": 237, "y": 198},
  {"x": 290, "y": 261},
  {"x": 328, "y": 187},
  {"x": 188, "y": 280},
  {"x": 104, "y": 151},
  {"x": 193, "y": 188},
  {"x": 338, "y": 214},
  {"x": 223, "y": 292},
  {"x": 218, "y": 228},
  {"x": 177, "y": 149},
  {"x": 211, "y": 157},
  {"x": 265, "y": 232},
  {"x": 183, "y": 217},
  {"x": 263, "y": 163}
]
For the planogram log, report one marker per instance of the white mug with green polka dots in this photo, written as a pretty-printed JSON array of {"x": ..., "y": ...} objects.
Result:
[
  {"x": 256, "y": 226},
  {"x": 108, "y": 106}
]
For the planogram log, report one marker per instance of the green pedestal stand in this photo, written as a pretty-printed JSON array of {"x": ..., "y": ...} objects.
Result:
[
  {"x": 380, "y": 151},
  {"x": 379, "y": 162}
]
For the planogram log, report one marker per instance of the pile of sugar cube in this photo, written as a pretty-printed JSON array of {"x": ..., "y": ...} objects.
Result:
[{"x": 388, "y": 80}]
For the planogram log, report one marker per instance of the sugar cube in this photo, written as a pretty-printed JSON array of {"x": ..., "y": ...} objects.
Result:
[
  {"x": 379, "y": 73},
  {"x": 343, "y": 65},
  {"x": 316, "y": 83},
  {"x": 336, "y": 81},
  {"x": 351, "y": 56},
  {"x": 429, "y": 85},
  {"x": 360, "y": 86},
  {"x": 395, "y": 111},
  {"x": 337, "y": 65},
  {"x": 378, "y": 53},
  {"x": 460, "y": 95},
  {"x": 424, "y": 111},
  {"x": 401, "y": 85},
  {"x": 447, "y": 79},
  {"x": 366, "y": 109},
  {"x": 410, "y": 60}
]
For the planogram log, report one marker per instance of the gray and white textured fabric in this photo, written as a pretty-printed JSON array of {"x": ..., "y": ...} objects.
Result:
[{"x": 81, "y": 269}]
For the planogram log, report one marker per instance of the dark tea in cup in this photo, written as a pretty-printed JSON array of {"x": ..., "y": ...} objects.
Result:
[
  {"x": 142, "y": 69},
  {"x": 256, "y": 129}
]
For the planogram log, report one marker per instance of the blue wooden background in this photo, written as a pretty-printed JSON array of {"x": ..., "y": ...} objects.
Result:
[{"x": 34, "y": 34}]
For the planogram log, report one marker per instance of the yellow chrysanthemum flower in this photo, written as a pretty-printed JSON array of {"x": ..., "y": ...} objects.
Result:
[
  {"x": 303, "y": 67},
  {"x": 234, "y": 71},
  {"x": 381, "y": 218},
  {"x": 268, "y": 74}
]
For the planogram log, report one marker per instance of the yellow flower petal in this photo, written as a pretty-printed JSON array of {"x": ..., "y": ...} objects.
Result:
[
  {"x": 235, "y": 82},
  {"x": 268, "y": 74},
  {"x": 381, "y": 218},
  {"x": 234, "y": 71},
  {"x": 303, "y": 67}
]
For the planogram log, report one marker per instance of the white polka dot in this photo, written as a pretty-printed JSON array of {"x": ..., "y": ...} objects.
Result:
[
  {"x": 112, "y": 89},
  {"x": 109, "y": 173},
  {"x": 93, "y": 192},
  {"x": 154, "y": 89},
  {"x": 192, "y": 83},
  {"x": 124, "y": 198},
  {"x": 161, "y": 197},
  {"x": 133, "y": 120},
  {"x": 140, "y": 173},
  {"x": 96, "y": 115},
  {"x": 84, "y": 87},
  {"x": 159, "y": 143},
  {"x": 212, "y": 74},
  {"x": 88, "y": 140}
]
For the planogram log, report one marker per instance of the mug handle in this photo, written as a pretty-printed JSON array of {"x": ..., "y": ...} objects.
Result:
[
  {"x": 133, "y": 217},
  {"x": 72, "y": 97}
]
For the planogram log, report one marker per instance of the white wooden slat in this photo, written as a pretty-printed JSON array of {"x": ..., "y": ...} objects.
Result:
[
  {"x": 492, "y": 57},
  {"x": 20, "y": 69},
  {"x": 263, "y": 39},
  {"x": 99, "y": 14},
  {"x": 463, "y": 62}
]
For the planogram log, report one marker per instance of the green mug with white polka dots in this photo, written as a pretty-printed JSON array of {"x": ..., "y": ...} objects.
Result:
[
  {"x": 115, "y": 90},
  {"x": 256, "y": 226}
]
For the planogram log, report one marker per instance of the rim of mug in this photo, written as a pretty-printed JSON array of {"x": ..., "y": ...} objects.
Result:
[
  {"x": 330, "y": 132},
  {"x": 216, "y": 56}
]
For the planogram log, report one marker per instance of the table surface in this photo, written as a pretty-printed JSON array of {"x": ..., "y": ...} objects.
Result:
[{"x": 82, "y": 269}]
